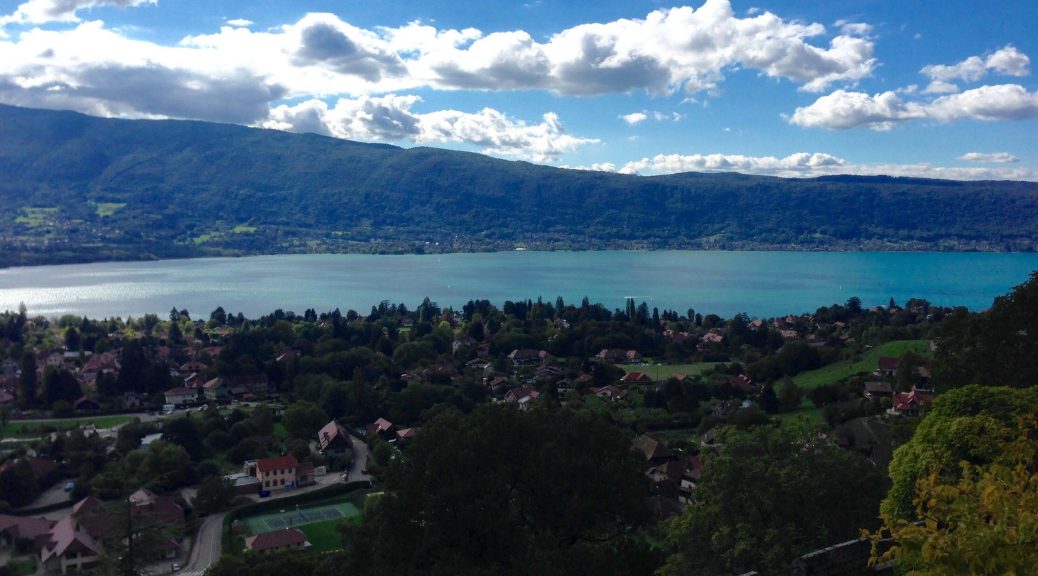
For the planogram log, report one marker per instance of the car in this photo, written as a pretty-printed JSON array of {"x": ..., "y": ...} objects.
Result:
[
  {"x": 70, "y": 485},
  {"x": 175, "y": 567},
  {"x": 363, "y": 470}
]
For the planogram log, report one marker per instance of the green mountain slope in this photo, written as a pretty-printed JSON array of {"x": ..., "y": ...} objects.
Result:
[{"x": 78, "y": 188}]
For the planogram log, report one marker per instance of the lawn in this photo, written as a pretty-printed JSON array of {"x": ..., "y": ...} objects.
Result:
[
  {"x": 868, "y": 362},
  {"x": 17, "y": 429},
  {"x": 807, "y": 410},
  {"x": 243, "y": 229},
  {"x": 325, "y": 536},
  {"x": 108, "y": 208},
  {"x": 664, "y": 371},
  {"x": 35, "y": 217}
]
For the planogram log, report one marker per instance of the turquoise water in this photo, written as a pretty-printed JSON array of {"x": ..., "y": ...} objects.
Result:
[{"x": 725, "y": 283}]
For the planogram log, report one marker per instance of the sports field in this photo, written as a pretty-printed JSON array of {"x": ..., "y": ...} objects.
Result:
[{"x": 292, "y": 517}]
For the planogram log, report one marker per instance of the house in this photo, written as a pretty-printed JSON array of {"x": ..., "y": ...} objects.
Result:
[
  {"x": 888, "y": 366},
  {"x": 244, "y": 484},
  {"x": 216, "y": 390},
  {"x": 609, "y": 392},
  {"x": 133, "y": 400},
  {"x": 526, "y": 356},
  {"x": 620, "y": 356},
  {"x": 70, "y": 548},
  {"x": 85, "y": 404},
  {"x": 911, "y": 403},
  {"x": 287, "y": 539},
  {"x": 741, "y": 382},
  {"x": 104, "y": 363},
  {"x": 522, "y": 396},
  {"x": 405, "y": 434},
  {"x": 878, "y": 390},
  {"x": 334, "y": 441},
  {"x": 653, "y": 450},
  {"x": 381, "y": 427},
  {"x": 181, "y": 396},
  {"x": 14, "y": 528},
  {"x": 274, "y": 473},
  {"x": 635, "y": 378}
]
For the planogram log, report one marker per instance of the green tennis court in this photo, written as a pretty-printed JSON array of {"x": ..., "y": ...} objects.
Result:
[{"x": 292, "y": 517}]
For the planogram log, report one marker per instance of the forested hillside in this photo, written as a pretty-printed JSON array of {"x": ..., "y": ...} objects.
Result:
[{"x": 78, "y": 188}]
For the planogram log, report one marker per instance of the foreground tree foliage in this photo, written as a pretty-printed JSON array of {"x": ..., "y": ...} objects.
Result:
[
  {"x": 505, "y": 492},
  {"x": 985, "y": 522},
  {"x": 970, "y": 425},
  {"x": 769, "y": 496}
]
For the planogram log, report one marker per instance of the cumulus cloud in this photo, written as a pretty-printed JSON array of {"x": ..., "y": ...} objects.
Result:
[
  {"x": 809, "y": 165},
  {"x": 1007, "y": 61},
  {"x": 989, "y": 157},
  {"x": 42, "y": 11},
  {"x": 634, "y": 117},
  {"x": 240, "y": 22},
  {"x": 842, "y": 109},
  {"x": 391, "y": 118}
]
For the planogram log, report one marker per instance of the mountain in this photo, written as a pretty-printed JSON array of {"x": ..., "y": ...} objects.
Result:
[{"x": 78, "y": 188}]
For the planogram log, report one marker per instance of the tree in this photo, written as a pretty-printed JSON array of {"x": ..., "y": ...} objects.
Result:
[
  {"x": 304, "y": 419},
  {"x": 769, "y": 496},
  {"x": 768, "y": 400},
  {"x": 983, "y": 522},
  {"x": 184, "y": 433},
  {"x": 214, "y": 494},
  {"x": 998, "y": 347},
  {"x": 27, "y": 379},
  {"x": 5, "y": 415},
  {"x": 967, "y": 424},
  {"x": 556, "y": 493},
  {"x": 789, "y": 395},
  {"x": 18, "y": 484},
  {"x": 60, "y": 384}
]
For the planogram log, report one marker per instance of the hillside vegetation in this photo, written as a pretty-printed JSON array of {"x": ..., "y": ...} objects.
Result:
[{"x": 78, "y": 188}]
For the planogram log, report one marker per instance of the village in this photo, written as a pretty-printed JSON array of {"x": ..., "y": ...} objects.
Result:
[{"x": 169, "y": 423}]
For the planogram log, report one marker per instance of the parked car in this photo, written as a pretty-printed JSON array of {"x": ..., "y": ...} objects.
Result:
[
  {"x": 175, "y": 567},
  {"x": 70, "y": 485}
]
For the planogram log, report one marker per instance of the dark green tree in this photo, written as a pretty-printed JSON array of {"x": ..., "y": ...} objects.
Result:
[
  {"x": 529, "y": 493},
  {"x": 769, "y": 496},
  {"x": 304, "y": 419},
  {"x": 27, "y": 379}
]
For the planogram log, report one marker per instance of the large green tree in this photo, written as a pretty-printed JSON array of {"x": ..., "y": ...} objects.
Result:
[
  {"x": 769, "y": 496},
  {"x": 505, "y": 492},
  {"x": 969, "y": 425}
]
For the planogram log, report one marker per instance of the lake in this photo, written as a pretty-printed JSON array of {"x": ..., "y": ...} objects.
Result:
[{"x": 759, "y": 283}]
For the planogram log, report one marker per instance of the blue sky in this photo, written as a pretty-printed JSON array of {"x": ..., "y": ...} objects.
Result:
[{"x": 789, "y": 88}]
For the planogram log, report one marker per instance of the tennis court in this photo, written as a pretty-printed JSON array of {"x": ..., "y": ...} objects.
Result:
[{"x": 291, "y": 517}]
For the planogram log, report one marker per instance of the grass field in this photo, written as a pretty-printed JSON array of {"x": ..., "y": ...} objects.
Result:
[
  {"x": 868, "y": 362},
  {"x": 301, "y": 517},
  {"x": 35, "y": 216},
  {"x": 324, "y": 536},
  {"x": 807, "y": 410},
  {"x": 16, "y": 429},
  {"x": 243, "y": 229},
  {"x": 664, "y": 371},
  {"x": 108, "y": 208}
]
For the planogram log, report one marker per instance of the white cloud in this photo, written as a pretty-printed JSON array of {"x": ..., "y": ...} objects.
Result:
[
  {"x": 989, "y": 157},
  {"x": 639, "y": 117},
  {"x": 390, "y": 118},
  {"x": 842, "y": 110},
  {"x": 809, "y": 165},
  {"x": 634, "y": 118},
  {"x": 678, "y": 49},
  {"x": 42, "y": 11},
  {"x": 1007, "y": 61}
]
